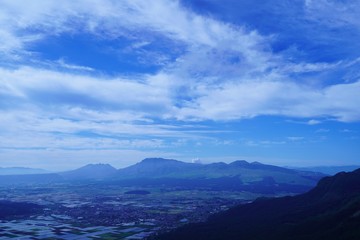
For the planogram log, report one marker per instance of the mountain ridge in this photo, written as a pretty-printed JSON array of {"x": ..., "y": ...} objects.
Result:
[
  {"x": 329, "y": 211},
  {"x": 236, "y": 176},
  {"x": 250, "y": 172},
  {"x": 329, "y": 170}
]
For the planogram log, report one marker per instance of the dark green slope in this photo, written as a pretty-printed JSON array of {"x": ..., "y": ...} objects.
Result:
[{"x": 329, "y": 211}]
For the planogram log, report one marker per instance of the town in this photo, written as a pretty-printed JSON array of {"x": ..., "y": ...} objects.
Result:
[{"x": 99, "y": 211}]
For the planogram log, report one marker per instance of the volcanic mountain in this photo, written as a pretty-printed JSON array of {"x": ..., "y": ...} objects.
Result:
[{"x": 238, "y": 175}]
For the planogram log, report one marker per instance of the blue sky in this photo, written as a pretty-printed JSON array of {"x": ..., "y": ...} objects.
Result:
[{"x": 116, "y": 81}]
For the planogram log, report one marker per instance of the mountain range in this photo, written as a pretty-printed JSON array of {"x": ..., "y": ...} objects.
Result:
[
  {"x": 238, "y": 175},
  {"x": 329, "y": 211}
]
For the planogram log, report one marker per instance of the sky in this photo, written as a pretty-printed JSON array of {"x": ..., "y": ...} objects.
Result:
[{"x": 90, "y": 81}]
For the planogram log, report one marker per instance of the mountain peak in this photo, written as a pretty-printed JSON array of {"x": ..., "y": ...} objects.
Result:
[
  {"x": 239, "y": 163},
  {"x": 90, "y": 171},
  {"x": 155, "y": 167},
  {"x": 98, "y": 166}
]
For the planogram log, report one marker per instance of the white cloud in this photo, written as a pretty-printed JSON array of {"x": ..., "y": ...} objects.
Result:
[
  {"x": 124, "y": 93},
  {"x": 295, "y": 139},
  {"x": 225, "y": 71},
  {"x": 61, "y": 62},
  {"x": 113, "y": 19},
  {"x": 262, "y": 143},
  {"x": 313, "y": 122},
  {"x": 322, "y": 130},
  {"x": 42, "y": 140},
  {"x": 334, "y": 13},
  {"x": 46, "y": 123},
  {"x": 310, "y": 67},
  {"x": 253, "y": 98},
  {"x": 346, "y": 131}
]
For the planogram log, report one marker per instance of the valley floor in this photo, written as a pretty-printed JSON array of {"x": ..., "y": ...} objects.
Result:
[{"x": 98, "y": 211}]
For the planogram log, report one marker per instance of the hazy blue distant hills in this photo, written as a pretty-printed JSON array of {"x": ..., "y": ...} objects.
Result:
[
  {"x": 330, "y": 170},
  {"x": 329, "y": 211},
  {"x": 87, "y": 173},
  {"x": 90, "y": 171},
  {"x": 21, "y": 171}
]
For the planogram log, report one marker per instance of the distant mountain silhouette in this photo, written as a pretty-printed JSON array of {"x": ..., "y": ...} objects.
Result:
[
  {"x": 21, "y": 171},
  {"x": 91, "y": 171},
  {"x": 239, "y": 175},
  {"x": 330, "y": 211},
  {"x": 329, "y": 170}
]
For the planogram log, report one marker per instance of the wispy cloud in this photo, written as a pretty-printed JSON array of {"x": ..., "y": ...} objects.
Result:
[
  {"x": 64, "y": 64},
  {"x": 295, "y": 139},
  {"x": 313, "y": 122},
  {"x": 334, "y": 13},
  {"x": 253, "y": 98},
  {"x": 322, "y": 130}
]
